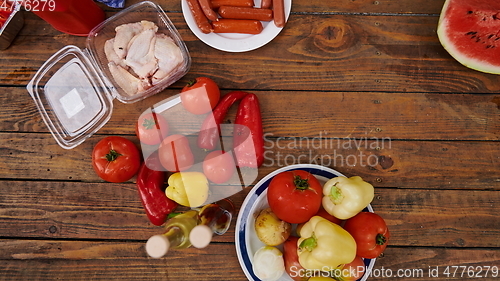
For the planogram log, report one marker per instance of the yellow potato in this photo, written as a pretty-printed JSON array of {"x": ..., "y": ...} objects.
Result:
[{"x": 270, "y": 229}]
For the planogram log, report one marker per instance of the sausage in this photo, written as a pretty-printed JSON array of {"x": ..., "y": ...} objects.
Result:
[
  {"x": 236, "y": 3},
  {"x": 237, "y": 26},
  {"x": 230, "y": 12},
  {"x": 279, "y": 13},
  {"x": 206, "y": 7},
  {"x": 199, "y": 17},
  {"x": 266, "y": 4}
]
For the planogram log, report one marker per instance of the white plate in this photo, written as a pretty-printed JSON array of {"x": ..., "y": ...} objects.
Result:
[
  {"x": 247, "y": 242},
  {"x": 235, "y": 42}
]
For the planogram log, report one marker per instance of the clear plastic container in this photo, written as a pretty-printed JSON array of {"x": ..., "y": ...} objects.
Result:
[
  {"x": 74, "y": 89},
  {"x": 182, "y": 122}
]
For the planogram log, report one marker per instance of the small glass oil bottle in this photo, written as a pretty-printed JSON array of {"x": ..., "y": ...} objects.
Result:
[
  {"x": 212, "y": 218},
  {"x": 176, "y": 236}
]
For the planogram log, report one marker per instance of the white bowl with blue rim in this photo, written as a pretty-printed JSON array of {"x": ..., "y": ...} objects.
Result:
[{"x": 247, "y": 242}]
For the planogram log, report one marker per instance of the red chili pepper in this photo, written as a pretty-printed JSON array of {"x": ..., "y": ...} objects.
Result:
[
  {"x": 150, "y": 186},
  {"x": 248, "y": 135},
  {"x": 210, "y": 129}
]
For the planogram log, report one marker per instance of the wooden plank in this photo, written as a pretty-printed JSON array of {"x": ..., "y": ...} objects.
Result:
[
  {"x": 324, "y": 53},
  {"x": 424, "y": 116},
  {"x": 113, "y": 261},
  {"x": 64, "y": 260},
  {"x": 440, "y": 218},
  {"x": 353, "y": 6},
  {"x": 75, "y": 210},
  {"x": 71, "y": 210},
  {"x": 391, "y": 106},
  {"x": 393, "y": 163},
  {"x": 418, "y": 263},
  {"x": 37, "y": 27}
]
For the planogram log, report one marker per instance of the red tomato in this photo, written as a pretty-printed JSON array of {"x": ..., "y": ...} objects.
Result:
[
  {"x": 351, "y": 271},
  {"x": 175, "y": 153},
  {"x": 370, "y": 232},
  {"x": 292, "y": 265},
  {"x": 219, "y": 166},
  {"x": 151, "y": 128},
  {"x": 200, "y": 96},
  {"x": 294, "y": 196},
  {"x": 116, "y": 159}
]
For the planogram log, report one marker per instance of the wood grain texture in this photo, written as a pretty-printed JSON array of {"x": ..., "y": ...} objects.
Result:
[
  {"x": 424, "y": 116},
  {"x": 323, "y": 53},
  {"x": 351, "y": 6},
  {"x": 72, "y": 210},
  {"x": 398, "y": 163},
  {"x": 117, "y": 261},
  {"x": 360, "y": 86}
]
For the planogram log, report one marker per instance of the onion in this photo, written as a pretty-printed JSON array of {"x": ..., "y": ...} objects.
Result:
[
  {"x": 270, "y": 229},
  {"x": 268, "y": 263}
]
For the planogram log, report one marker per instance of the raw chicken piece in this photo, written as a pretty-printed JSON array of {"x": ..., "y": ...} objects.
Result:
[
  {"x": 125, "y": 33},
  {"x": 128, "y": 82},
  {"x": 111, "y": 54},
  {"x": 169, "y": 56},
  {"x": 140, "y": 56}
]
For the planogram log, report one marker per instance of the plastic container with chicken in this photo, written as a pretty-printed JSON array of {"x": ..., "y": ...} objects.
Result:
[
  {"x": 140, "y": 51},
  {"x": 130, "y": 56}
]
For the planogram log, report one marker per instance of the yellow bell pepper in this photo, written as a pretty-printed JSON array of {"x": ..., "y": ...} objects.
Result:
[
  {"x": 345, "y": 197},
  {"x": 188, "y": 188},
  {"x": 324, "y": 245}
]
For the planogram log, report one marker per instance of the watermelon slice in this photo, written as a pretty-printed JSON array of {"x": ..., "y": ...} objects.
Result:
[{"x": 470, "y": 31}]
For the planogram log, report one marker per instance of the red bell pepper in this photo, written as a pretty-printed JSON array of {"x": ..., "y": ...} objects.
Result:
[
  {"x": 248, "y": 134},
  {"x": 210, "y": 129},
  {"x": 6, "y": 10},
  {"x": 4, "y": 16},
  {"x": 150, "y": 186}
]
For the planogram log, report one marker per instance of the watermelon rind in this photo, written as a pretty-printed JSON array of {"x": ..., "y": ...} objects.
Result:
[{"x": 445, "y": 34}]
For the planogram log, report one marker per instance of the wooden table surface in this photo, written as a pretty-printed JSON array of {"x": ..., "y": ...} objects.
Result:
[{"x": 369, "y": 75}]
